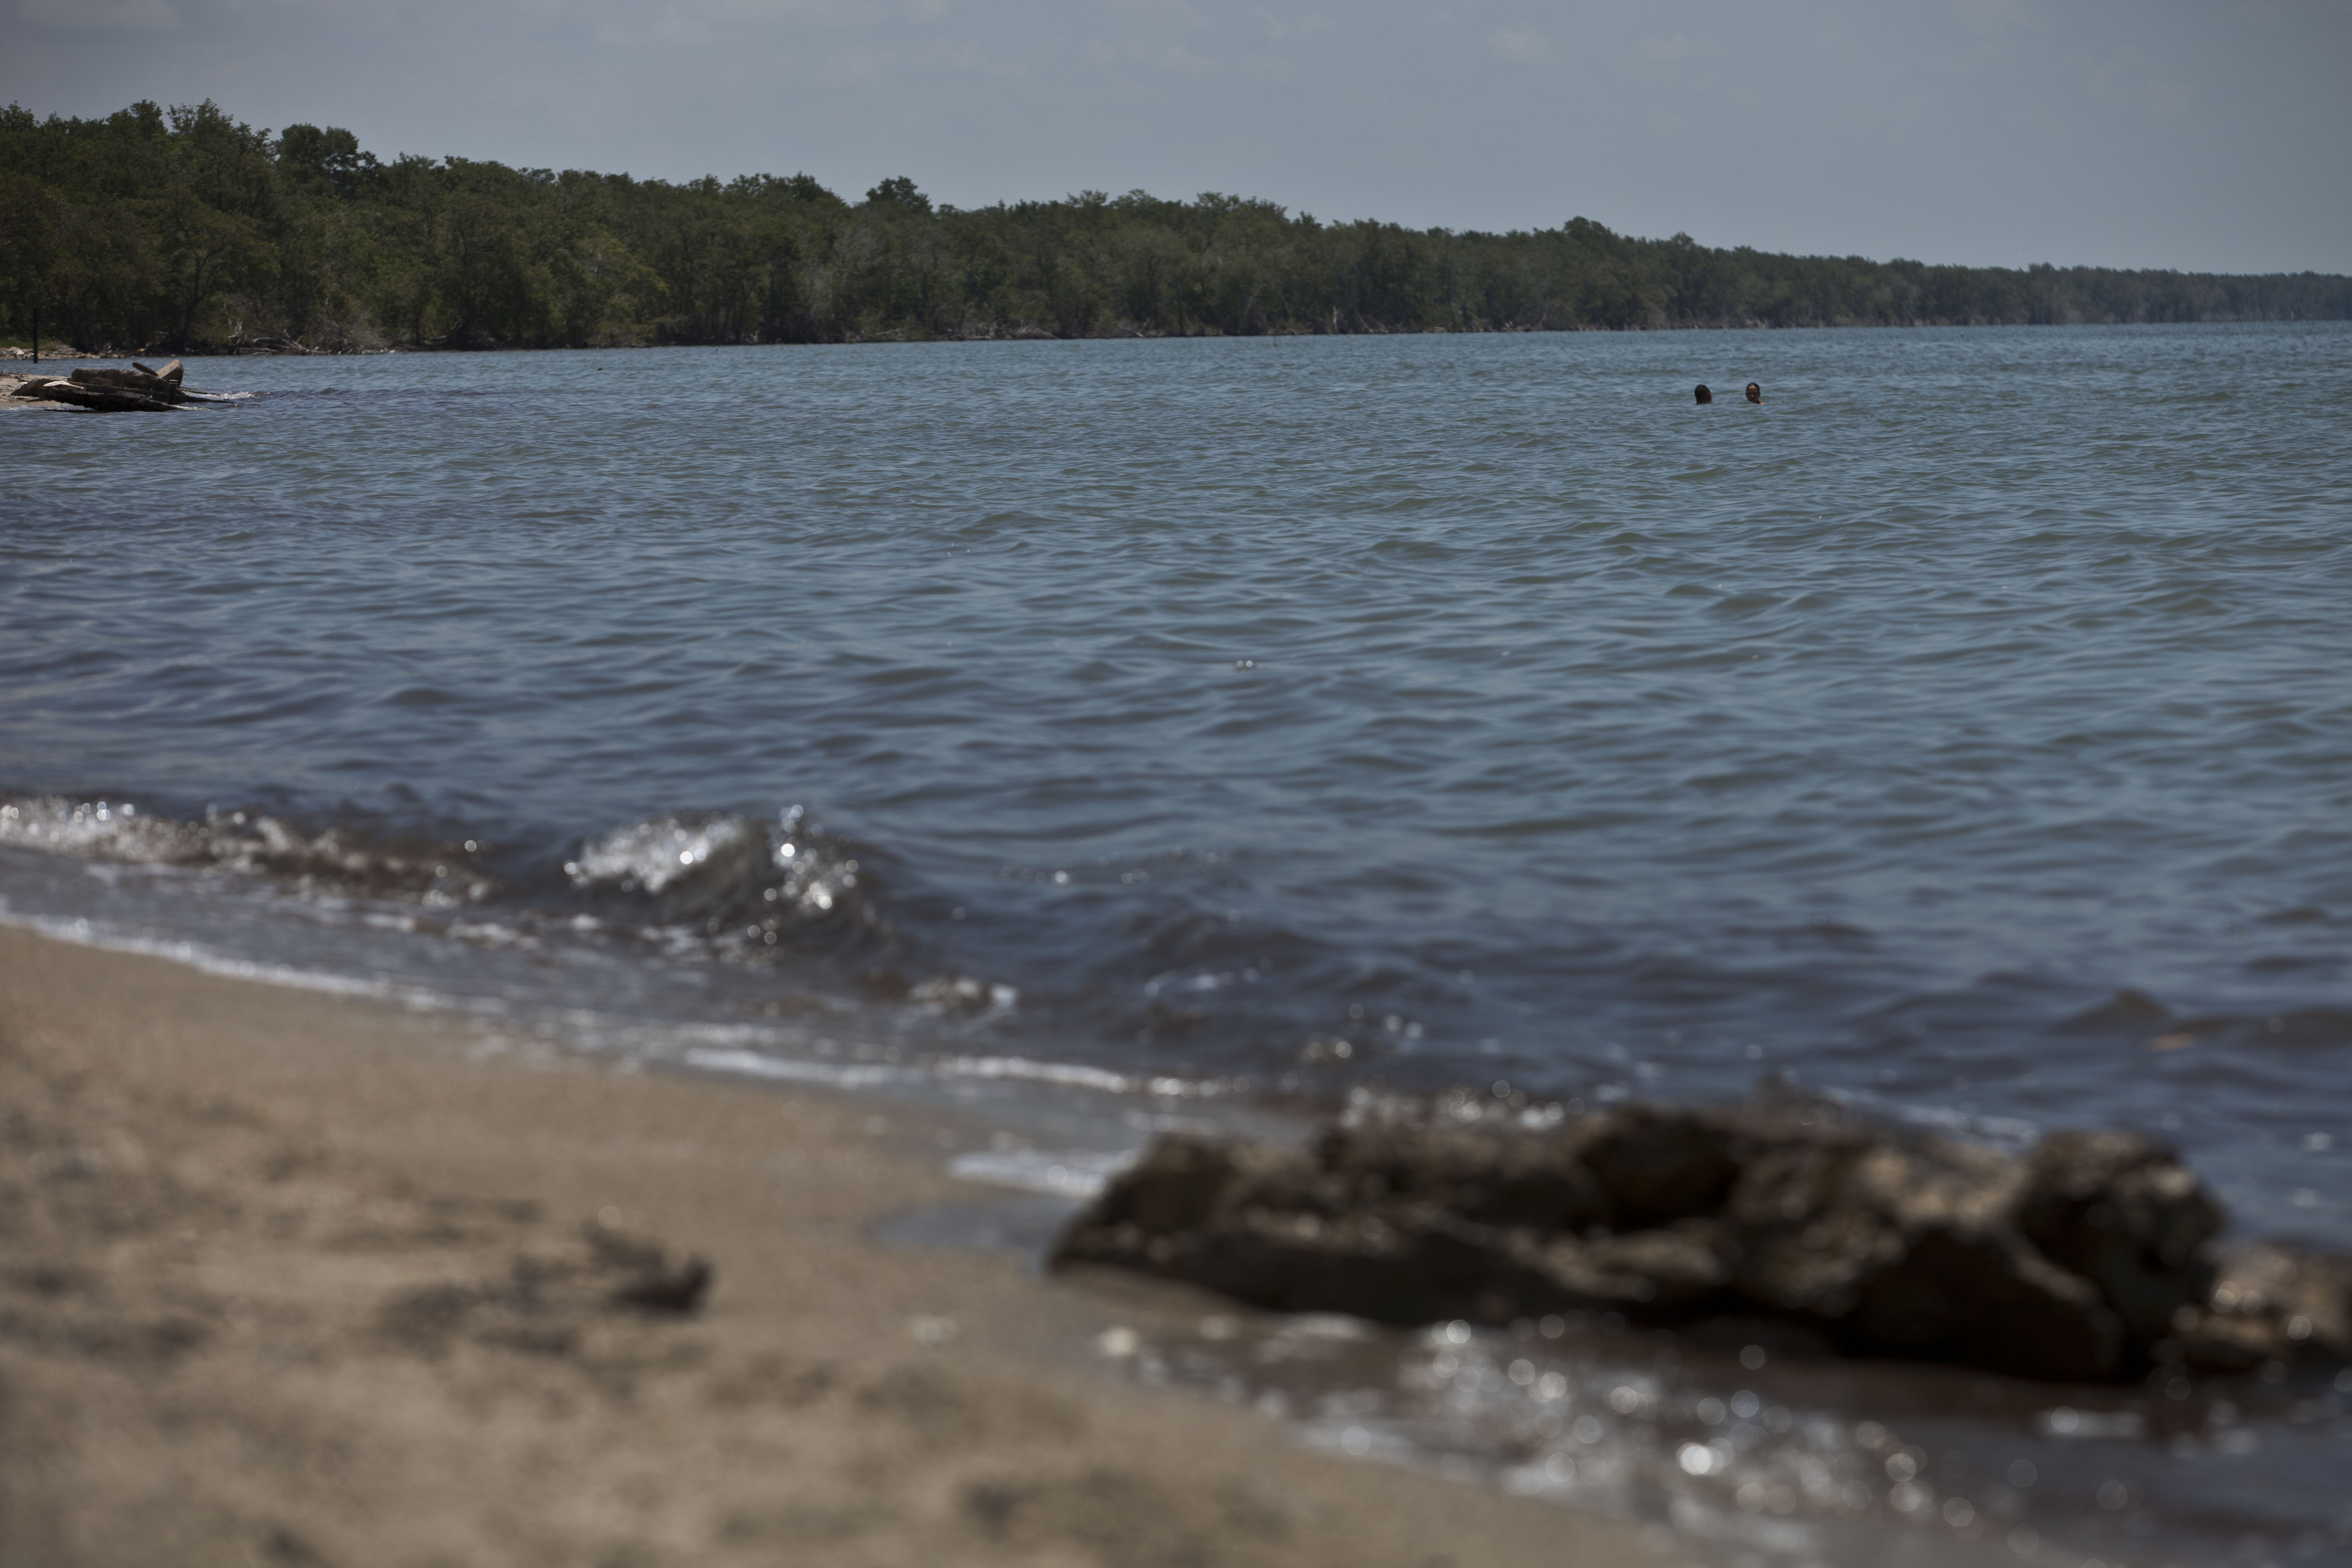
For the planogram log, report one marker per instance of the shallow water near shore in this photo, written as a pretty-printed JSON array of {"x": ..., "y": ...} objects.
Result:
[{"x": 1207, "y": 728}]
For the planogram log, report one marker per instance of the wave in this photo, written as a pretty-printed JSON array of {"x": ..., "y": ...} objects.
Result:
[
  {"x": 1180, "y": 971},
  {"x": 252, "y": 843},
  {"x": 738, "y": 887},
  {"x": 744, "y": 887}
]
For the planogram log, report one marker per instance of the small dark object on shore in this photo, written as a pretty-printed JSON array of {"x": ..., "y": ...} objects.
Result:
[
  {"x": 2088, "y": 1259},
  {"x": 678, "y": 1288},
  {"x": 1755, "y": 392},
  {"x": 651, "y": 1280},
  {"x": 1704, "y": 395},
  {"x": 546, "y": 1302}
]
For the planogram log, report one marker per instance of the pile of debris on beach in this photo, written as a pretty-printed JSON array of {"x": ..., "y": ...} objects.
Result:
[
  {"x": 2091, "y": 1258},
  {"x": 137, "y": 390}
]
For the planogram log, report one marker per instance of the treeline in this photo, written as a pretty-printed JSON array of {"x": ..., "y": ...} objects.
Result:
[{"x": 183, "y": 229}]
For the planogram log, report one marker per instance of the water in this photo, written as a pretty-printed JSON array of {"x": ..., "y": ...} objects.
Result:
[{"x": 1966, "y": 732}]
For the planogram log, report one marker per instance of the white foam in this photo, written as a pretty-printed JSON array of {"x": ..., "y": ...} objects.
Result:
[
  {"x": 1069, "y": 1075},
  {"x": 795, "y": 1070},
  {"x": 90, "y": 933},
  {"x": 653, "y": 855},
  {"x": 1062, "y": 1172}
]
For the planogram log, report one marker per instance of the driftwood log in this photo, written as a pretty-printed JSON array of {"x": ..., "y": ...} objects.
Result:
[
  {"x": 101, "y": 399},
  {"x": 2089, "y": 1258},
  {"x": 137, "y": 390},
  {"x": 145, "y": 383}
]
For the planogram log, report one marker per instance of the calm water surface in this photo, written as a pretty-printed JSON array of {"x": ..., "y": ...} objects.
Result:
[{"x": 1966, "y": 732}]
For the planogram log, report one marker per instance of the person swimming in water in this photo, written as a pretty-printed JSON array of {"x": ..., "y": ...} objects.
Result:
[
  {"x": 1755, "y": 393},
  {"x": 1704, "y": 395}
]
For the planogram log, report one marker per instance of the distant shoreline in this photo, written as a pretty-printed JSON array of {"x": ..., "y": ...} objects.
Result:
[
  {"x": 305, "y": 238},
  {"x": 12, "y": 354}
]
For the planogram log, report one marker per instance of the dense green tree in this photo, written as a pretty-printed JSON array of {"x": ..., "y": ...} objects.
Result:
[
  {"x": 31, "y": 218},
  {"x": 155, "y": 228}
]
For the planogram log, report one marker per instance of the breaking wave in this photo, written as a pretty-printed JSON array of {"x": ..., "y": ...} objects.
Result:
[
  {"x": 738, "y": 887},
  {"x": 745, "y": 888},
  {"x": 442, "y": 872}
]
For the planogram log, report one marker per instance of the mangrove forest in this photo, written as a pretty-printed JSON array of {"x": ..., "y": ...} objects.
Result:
[{"x": 181, "y": 229}]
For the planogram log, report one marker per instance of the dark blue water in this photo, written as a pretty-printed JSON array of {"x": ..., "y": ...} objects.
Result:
[{"x": 1967, "y": 731}]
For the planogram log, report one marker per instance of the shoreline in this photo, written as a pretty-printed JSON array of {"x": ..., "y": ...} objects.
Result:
[
  {"x": 295, "y": 1278},
  {"x": 1029, "y": 332}
]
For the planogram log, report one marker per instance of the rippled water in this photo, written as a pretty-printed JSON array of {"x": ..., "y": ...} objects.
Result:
[{"x": 1966, "y": 731}]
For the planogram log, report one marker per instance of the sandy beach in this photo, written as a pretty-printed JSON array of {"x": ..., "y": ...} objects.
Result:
[{"x": 295, "y": 1280}]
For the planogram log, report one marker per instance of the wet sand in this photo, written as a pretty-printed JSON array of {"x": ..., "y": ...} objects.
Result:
[{"x": 295, "y": 1280}]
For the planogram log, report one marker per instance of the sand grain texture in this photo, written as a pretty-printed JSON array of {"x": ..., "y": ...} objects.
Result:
[{"x": 293, "y": 1280}]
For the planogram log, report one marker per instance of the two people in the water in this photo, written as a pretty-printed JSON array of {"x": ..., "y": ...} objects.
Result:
[{"x": 1755, "y": 393}]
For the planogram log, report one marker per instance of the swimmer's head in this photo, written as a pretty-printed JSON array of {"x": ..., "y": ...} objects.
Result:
[
  {"x": 1704, "y": 395},
  {"x": 1755, "y": 393}
]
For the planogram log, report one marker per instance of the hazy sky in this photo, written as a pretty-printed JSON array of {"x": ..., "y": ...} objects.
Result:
[{"x": 2155, "y": 132}]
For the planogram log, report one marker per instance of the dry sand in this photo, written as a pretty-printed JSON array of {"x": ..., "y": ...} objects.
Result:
[{"x": 291, "y": 1281}]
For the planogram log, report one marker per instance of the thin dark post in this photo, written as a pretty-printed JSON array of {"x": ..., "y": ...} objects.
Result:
[{"x": 36, "y": 328}]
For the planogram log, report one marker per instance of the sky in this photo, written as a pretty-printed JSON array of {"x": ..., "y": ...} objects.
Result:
[{"x": 2212, "y": 136}]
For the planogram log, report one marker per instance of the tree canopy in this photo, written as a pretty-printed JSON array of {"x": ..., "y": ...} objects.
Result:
[{"x": 185, "y": 230}]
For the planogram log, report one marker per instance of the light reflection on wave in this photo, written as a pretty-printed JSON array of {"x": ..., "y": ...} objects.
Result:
[{"x": 1754, "y": 1456}]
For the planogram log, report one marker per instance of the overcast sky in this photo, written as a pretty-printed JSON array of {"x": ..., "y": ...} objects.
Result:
[{"x": 2154, "y": 132}]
